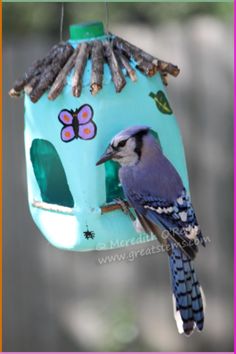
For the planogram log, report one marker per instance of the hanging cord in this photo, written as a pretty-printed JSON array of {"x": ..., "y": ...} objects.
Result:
[
  {"x": 61, "y": 21},
  {"x": 107, "y": 15}
]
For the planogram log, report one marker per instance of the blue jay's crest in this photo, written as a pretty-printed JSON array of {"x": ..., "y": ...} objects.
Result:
[
  {"x": 155, "y": 191},
  {"x": 128, "y": 133}
]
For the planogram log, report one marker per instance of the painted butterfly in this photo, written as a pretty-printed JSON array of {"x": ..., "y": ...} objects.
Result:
[{"x": 77, "y": 124}]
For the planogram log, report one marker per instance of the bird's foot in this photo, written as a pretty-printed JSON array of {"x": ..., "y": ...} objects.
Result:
[
  {"x": 125, "y": 208},
  {"x": 123, "y": 205}
]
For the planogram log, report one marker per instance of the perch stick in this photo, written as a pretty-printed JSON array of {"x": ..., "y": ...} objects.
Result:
[
  {"x": 52, "y": 207},
  {"x": 50, "y": 72},
  {"x": 60, "y": 80},
  {"x": 80, "y": 64},
  {"x": 112, "y": 207},
  {"x": 97, "y": 67},
  {"x": 117, "y": 75}
]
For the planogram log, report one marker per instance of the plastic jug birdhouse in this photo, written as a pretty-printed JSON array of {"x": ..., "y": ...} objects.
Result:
[{"x": 82, "y": 93}]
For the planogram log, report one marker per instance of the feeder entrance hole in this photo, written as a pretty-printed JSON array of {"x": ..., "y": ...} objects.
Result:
[
  {"x": 50, "y": 174},
  {"x": 51, "y": 177}
]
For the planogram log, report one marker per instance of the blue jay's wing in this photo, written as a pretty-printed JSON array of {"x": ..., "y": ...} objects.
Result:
[
  {"x": 155, "y": 190},
  {"x": 156, "y": 215},
  {"x": 177, "y": 217},
  {"x": 151, "y": 228}
]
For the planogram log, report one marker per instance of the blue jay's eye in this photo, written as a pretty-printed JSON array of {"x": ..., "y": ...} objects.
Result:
[{"x": 122, "y": 143}]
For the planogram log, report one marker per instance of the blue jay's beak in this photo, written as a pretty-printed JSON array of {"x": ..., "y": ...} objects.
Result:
[{"x": 108, "y": 155}]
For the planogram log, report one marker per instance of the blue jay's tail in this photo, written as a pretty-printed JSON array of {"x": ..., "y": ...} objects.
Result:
[{"x": 188, "y": 297}]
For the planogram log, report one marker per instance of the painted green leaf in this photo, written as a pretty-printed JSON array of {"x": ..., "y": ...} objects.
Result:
[{"x": 161, "y": 102}]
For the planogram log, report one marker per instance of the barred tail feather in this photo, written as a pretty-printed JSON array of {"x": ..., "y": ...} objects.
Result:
[{"x": 188, "y": 297}]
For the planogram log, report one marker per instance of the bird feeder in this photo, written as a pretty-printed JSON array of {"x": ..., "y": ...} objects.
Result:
[{"x": 77, "y": 97}]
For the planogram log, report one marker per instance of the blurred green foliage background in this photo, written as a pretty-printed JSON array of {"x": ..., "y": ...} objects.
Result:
[{"x": 45, "y": 17}]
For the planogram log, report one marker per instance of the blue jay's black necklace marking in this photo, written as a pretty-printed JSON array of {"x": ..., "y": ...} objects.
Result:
[{"x": 139, "y": 142}]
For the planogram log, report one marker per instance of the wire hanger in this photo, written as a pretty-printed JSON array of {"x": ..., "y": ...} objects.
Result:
[{"x": 61, "y": 21}]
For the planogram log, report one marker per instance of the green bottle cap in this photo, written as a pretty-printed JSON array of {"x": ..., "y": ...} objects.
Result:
[{"x": 86, "y": 30}]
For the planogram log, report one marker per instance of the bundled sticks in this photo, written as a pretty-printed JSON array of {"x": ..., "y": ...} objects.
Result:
[
  {"x": 60, "y": 80},
  {"x": 40, "y": 69},
  {"x": 145, "y": 62},
  {"x": 50, "y": 73}
]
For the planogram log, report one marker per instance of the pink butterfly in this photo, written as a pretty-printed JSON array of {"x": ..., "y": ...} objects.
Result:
[{"x": 77, "y": 124}]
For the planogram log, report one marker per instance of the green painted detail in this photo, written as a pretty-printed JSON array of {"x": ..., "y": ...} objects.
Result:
[
  {"x": 86, "y": 30},
  {"x": 161, "y": 102},
  {"x": 50, "y": 174},
  {"x": 113, "y": 189}
]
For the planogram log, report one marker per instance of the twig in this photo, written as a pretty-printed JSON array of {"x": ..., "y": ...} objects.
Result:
[
  {"x": 140, "y": 56},
  {"x": 164, "y": 78},
  {"x": 116, "y": 72},
  {"x": 168, "y": 68},
  {"x": 132, "y": 51},
  {"x": 60, "y": 80},
  {"x": 32, "y": 84},
  {"x": 50, "y": 72},
  {"x": 14, "y": 93},
  {"x": 126, "y": 64},
  {"x": 80, "y": 64},
  {"x": 112, "y": 207},
  {"x": 97, "y": 67},
  {"x": 35, "y": 69},
  {"x": 147, "y": 68}
]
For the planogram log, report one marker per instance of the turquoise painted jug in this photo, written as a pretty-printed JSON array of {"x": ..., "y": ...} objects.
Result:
[{"x": 67, "y": 193}]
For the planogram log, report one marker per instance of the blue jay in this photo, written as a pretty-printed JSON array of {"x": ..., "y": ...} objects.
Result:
[{"x": 155, "y": 191}]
